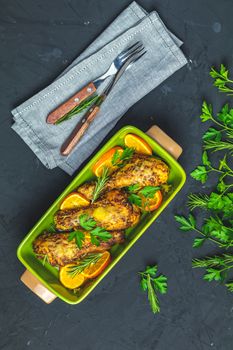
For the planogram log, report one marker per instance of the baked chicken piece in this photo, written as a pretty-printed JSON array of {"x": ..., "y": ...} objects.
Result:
[
  {"x": 60, "y": 251},
  {"x": 112, "y": 211},
  {"x": 140, "y": 169}
]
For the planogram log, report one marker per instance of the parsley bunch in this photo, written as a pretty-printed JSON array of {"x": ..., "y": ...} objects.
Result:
[
  {"x": 218, "y": 205},
  {"x": 97, "y": 234},
  {"x": 152, "y": 284}
]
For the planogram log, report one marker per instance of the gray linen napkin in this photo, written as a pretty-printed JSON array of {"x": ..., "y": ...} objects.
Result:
[{"x": 162, "y": 59}]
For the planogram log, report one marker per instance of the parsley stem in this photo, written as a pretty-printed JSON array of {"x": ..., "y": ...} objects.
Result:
[
  {"x": 203, "y": 234},
  {"x": 225, "y": 127}
]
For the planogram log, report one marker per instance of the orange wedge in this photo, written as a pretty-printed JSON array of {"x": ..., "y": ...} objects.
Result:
[
  {"x": 94, "y": 270},
  {"x": 136, "y": 142},
  {"x": 74, "y": 200},
  {"x": 151, "y": 204},
  {"x": 106, "y": 161},
  {"x": 68, "y": 280}
]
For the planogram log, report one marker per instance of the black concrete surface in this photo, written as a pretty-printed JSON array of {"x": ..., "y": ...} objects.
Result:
[{"x": 38, "y": 39}]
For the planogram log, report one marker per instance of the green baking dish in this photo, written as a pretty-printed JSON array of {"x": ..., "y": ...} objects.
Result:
[{"x": 43, "y": 280}]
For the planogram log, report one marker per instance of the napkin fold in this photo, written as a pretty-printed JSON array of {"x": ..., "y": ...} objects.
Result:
[{"x": 162, "y": 59}]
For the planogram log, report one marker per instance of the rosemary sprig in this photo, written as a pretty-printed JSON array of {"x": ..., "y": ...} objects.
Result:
[
  {"x": 78, "y": 109},
  {"x": 99, "y": 185},
  {"x": 197, "y": 201},
  {"x": 216, "y": 146},
  {"x": 216, "y": 268},
  {"x": 45, "y": 258},
  {"x": 83, "y": 264},
  {"x": 152, "y": 283}
]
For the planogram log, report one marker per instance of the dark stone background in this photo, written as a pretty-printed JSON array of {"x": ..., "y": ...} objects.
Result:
[{"x": 38, "y": 40}]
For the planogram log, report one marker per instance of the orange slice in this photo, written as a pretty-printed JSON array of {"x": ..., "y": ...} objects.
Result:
[
  {"x": 94, "y": 270},
  {"x": 68, "y": 280},
  {"x": 151, "y": 204},
  {"x": 74, "y": 200},
  {"x": 138, "y": 144},
  {"x": 106, "y": 161}
]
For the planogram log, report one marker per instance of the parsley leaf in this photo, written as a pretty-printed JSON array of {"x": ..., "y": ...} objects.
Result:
[
  {"x": 198, "y": 242},
  {"x": 86, "y": 222},
  {"x": 79, "y": 237},
  {"x": 212, "y": 274},
  {"x": 212, "y": 134},
  {"x": 206, "y": 112},
  {"x": 135, "y": 199},
  {"x": 101, "y": 233},
  {"x": 200, "y": 174},
  {"x": 133, "y": 188},
  {"x": 119, "y": 159},
  {"x": 149, "y": 191},
  {"x": 186, "y": 224}
]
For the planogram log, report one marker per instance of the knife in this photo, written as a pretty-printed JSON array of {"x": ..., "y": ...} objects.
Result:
[
  {"x": 91, "y": 87},
  {"x": 90, "y": 115}
]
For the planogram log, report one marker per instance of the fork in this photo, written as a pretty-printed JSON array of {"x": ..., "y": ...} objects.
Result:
[
  {"x": 90, "y": 115},
  {"x": 91, "y": 87}
]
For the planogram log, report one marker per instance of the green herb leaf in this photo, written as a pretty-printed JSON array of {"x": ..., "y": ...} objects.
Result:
[
  {"x": 77, "y": 109},
  {"x": 135, "y": 199},
  {"x": 86, "y": 222},
  {"x": 200, "y": 174},
  {"x": 198, "y": 242},
  {"x": 143, "y": 284},
  {"x": 83, "y": 264},
  {"x": 160, "y": 284},
  {"x": 152, "y": 270},
  {"x": 205, "y": 159},
  {"x": 79, "y": 237},
  {"x": 186, "y": 224},
  {"x": 100, "y": 184},
  {"x": 119, "y": 159},
  {"x": 229, "y": 286},
  {"x": 133, "y": 188},
  {"x": 101, "y": 233},
  {"x": 212, "y": 134},
  {"x": 152, "y": 283},
  {"x": 212, "y": 275},
  {"x": 152, "y": 297},
  {"x": 149, "y": 191},
  {"x": 206, "y": 112}
]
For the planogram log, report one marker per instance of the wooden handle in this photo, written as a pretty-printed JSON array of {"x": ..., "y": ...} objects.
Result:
[
  {"x": 79, "y": 130},
  {"x": 165, "y": 141},
  {"x": 37, "y": 287},
  {"x": 74, "y": 101}
]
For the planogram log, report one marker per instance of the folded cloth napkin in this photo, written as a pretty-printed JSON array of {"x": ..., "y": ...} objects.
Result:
[{"x": 162, "y": 59}]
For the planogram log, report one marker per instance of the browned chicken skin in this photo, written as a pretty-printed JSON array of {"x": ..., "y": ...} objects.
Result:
[
  {"x": 111, "y": 211},
  {"x": 60, "y": 251},
  {"x": 140, "y": 169}
]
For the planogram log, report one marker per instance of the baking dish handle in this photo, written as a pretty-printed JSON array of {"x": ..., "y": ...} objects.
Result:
[
  {"x": 165, "y": 141},
  {"x": 37, "y": 287}
]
